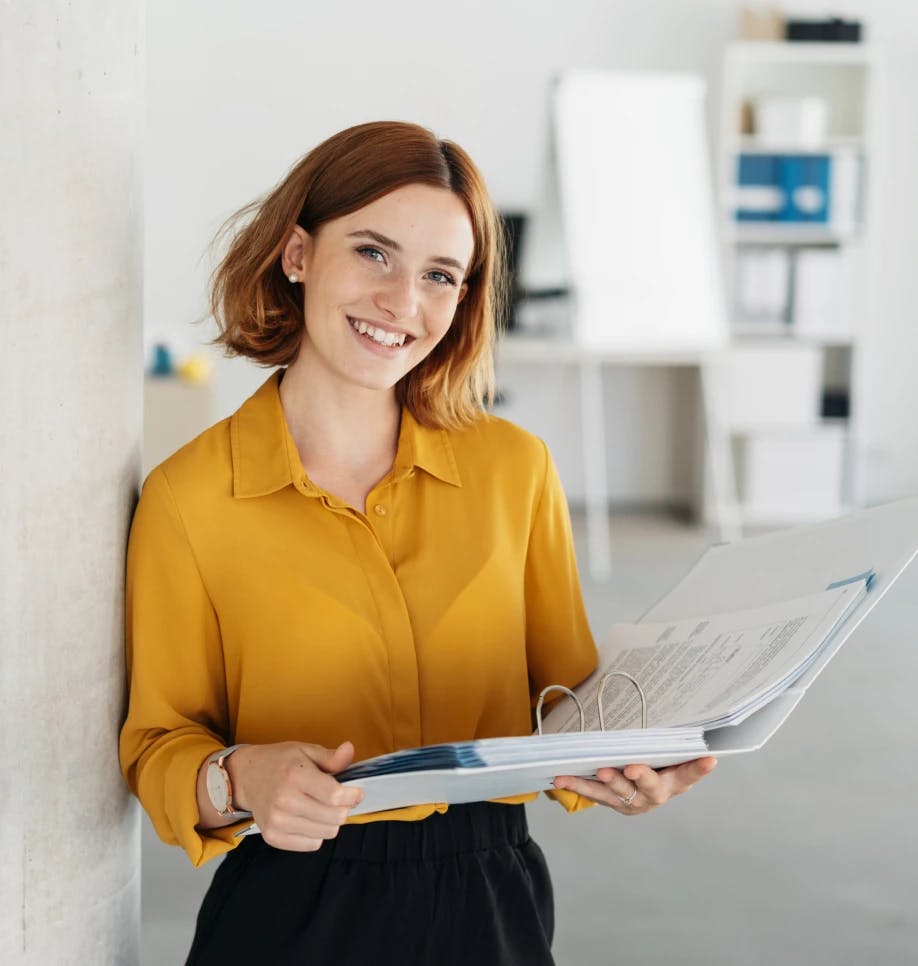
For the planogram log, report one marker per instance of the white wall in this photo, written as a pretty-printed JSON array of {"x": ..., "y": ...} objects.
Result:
[
  {"x": 70, "y": 426},
  {"x": 237, "y": 93}
]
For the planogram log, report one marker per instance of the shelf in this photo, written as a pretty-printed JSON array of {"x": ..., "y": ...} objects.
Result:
[
  {"x": 790, "y": 52},
  {"x": 784, "y": 333},
  {"x": 784, "y": 376},
  {"x": 824, "y": 427},
  {"x": 751, "y": 144},
  {"x": 784, "y": 233},
  {"x": 775, "y": 331},
  {"x": 528, "y": 350}
]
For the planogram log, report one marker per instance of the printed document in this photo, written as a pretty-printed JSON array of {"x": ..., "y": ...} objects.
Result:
[{"x": 709, "y": 671}]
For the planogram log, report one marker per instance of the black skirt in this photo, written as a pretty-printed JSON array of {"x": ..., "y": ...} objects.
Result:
[{"x": 469, "y": 886}]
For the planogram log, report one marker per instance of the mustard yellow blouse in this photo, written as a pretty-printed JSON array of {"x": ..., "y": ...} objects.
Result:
[{"x": 260, "y": 608}]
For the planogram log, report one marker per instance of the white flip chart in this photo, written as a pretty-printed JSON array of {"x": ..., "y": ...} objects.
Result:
[{"x": 638, "y": 212}]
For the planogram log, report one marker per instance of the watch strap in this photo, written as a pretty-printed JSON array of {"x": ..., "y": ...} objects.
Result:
[
  {"x": 221, "y": 756},
  {"x": 218, "y": 758}
]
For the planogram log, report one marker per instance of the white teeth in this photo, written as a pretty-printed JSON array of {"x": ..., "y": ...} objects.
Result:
[{"x": 380, "y": 336}]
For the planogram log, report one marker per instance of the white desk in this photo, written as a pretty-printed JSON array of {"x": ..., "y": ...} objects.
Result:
[{"x": 524, "y": 350}]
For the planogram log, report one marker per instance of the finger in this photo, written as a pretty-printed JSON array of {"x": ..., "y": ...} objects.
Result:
[
  {"x": 648, "y": 782},
  {"x": 330, "y": 760},
  {"x": 312, "y": 776},
  {"x": 283, "y": 824},
  {"x": 300, "y": 807},
  {"x": 342, "y": 757},
  {"x": 609, "y": 775},
  {"x": 697, "y": 769},
  {"x": 616, "y": 788},
  {"x": 683, "y": 777},
  {"x": 658, "y": 786},
  {"x": 604, "y": 774},
  {"x": 621, "y": 787},
  {"x": 603, "y": 793},
  {"x": 327, "y": 790},
  {"x": 290, "y": 842}
]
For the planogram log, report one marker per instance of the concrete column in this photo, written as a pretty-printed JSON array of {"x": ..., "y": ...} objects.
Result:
[{"x": 70, "y": 424}]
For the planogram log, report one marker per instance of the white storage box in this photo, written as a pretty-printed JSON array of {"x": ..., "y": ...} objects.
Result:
[
  {"x": 761, "y": 285},
  {"x": 767, "y": 384},
  {"x": 791, "y": 477},
  {"x": 791, "y": 121},
  {"x": 826, "y": 293}
]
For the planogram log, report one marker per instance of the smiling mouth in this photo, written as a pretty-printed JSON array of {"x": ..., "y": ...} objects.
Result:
[{"x": 380, "y": 336}]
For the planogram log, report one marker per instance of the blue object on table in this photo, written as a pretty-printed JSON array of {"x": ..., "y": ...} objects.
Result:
[{"x": 162, "y": 361}]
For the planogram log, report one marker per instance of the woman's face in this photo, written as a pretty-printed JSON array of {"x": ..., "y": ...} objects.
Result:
[{"x": 381, "y": 284}]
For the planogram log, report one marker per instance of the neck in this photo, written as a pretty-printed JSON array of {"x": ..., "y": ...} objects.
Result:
[{"x": 346, "y": 435}]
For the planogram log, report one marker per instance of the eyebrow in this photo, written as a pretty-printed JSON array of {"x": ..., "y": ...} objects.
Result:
[{"x": 394, "y": 245}]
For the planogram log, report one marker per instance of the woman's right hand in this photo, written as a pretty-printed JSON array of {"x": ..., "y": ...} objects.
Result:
[{"x": 289, "y": 789}]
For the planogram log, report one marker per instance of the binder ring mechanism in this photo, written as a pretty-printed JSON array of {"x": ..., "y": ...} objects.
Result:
[{"x": 599, "y": 693}]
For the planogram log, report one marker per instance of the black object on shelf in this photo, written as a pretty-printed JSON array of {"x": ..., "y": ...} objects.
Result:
[
  {"x": 824, "y": 31},
  {"x": 539, "y": 294},
  {"x": 514, "y": 226},
  {"x": 836, "y": 404}
]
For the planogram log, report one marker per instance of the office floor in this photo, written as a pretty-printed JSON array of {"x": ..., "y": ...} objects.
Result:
[{"x": 802, "y": 853}]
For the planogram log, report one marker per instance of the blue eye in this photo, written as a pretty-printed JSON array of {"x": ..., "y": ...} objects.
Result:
[
  {"x": 374, "y": 254},
  {"x": 442, "y": 278}
]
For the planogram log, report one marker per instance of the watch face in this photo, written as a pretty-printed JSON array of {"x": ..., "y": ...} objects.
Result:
[{"x": 218, "y": 787}]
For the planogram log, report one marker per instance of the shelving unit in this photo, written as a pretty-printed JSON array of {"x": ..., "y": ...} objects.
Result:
[{"x": 795, "y": 252}]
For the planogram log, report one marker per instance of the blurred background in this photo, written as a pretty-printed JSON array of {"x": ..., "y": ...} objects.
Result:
[{"x": 768, "y": 151}]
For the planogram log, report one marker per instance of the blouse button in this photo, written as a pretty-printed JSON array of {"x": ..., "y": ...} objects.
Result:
[{"x": 379, "y": 510}]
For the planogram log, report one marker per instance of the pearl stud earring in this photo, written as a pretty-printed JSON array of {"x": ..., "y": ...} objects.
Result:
[{"x": 294, "y": 278}]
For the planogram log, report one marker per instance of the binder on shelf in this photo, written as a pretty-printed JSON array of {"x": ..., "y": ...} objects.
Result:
[
  {"x": 715, "y": 667},
  {"x": 761, "y": 285},
  {"x": 783, "y": 187},
  {"x": 825, "y": 293},
  {"x": 799, "y": 189}
]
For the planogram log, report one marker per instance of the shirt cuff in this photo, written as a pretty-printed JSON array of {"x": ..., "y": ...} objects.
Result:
[{"x": 570, "y": 801}]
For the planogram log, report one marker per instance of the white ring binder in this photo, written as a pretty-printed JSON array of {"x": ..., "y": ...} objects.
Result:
[
  {"x": 599, "y": 692},
  {"x": 569, "y": 693},
  {"x": 602, "y": 687}
]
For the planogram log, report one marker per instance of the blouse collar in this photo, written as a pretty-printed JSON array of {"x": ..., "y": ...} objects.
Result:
[{"x": 265, "y": 458}]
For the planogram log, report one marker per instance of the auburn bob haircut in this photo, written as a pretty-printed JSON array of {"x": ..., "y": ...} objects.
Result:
[{"x": 260, "y": 313}]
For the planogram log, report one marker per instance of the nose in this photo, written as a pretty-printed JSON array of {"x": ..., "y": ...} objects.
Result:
[{"x": 397, "y": 296}]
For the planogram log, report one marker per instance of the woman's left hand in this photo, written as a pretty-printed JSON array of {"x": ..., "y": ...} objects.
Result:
[{"x": 636, "y": 789}]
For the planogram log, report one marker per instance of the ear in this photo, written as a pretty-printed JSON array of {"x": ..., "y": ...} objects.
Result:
[
  {"x": 463, "y": 289},
  {"x": 296, "y": 252}
]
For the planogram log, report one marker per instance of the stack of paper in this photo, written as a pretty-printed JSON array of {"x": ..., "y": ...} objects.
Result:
[
  {"x": 712, "y": 671},
  {"x": 472, "y": 771}
]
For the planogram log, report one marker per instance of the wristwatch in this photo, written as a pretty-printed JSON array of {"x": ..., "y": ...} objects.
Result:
[{"x": 219, "y": 786}]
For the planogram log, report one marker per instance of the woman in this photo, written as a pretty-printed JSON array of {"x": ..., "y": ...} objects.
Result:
[{"x": 358, "y": 560}]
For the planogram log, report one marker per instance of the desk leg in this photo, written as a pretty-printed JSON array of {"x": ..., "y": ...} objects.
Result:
[
  {"x": 720, "y": 480},
  {"x": 592, "y": 418}
]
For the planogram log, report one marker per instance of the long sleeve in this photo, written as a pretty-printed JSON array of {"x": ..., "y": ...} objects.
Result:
[
  {"x": 177, "y": 712},
  {"x": 559, "y": 645}
]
